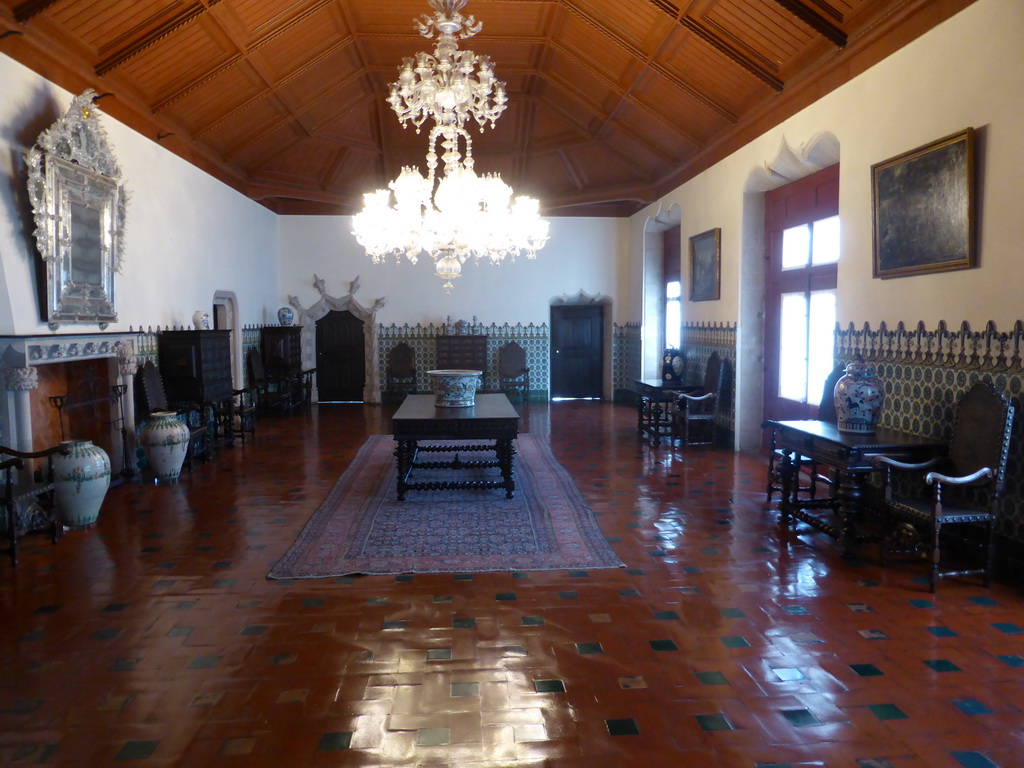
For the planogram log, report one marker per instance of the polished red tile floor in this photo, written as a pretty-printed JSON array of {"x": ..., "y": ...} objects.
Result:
[{"x": 156, "y": 639}]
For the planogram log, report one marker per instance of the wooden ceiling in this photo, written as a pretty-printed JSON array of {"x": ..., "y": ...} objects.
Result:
[{"x": 611, "y": 102}]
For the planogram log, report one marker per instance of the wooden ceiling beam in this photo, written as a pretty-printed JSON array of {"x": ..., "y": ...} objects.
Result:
[
  {"x": 816, "y": 21},
  {"x": 731, "y": 52},
  {"x": 623, "y": 96},
  {"x": 24, "y": 12},
  {"x": 640, "y": 55},
  {"x": 173, "y": 24}
]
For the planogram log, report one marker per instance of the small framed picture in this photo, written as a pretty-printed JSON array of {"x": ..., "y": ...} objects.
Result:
[
  {"x": 924, "y": 208},
  {"x": 706, "y": 265}
]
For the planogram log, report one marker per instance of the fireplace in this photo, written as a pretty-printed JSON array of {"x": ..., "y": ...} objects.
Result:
[{"x": 70, "y": 387}]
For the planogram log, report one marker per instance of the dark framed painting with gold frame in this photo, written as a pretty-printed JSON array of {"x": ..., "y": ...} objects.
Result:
[
  {"x": 923, "y": 209},
  {"x": 706, "y": 265}
]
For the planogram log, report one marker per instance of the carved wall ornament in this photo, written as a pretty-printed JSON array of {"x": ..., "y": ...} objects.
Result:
[
  {"x": 79, "y": 205},
  {"x": 21, "y": 379}
]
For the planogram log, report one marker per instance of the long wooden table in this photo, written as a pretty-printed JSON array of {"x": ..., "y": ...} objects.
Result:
[
  {"x": 851, "y": 455},
  {"x": 492, "y": 417}
]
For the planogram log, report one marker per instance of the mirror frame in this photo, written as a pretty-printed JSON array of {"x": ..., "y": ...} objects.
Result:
[{"x": 72, "y": 167}]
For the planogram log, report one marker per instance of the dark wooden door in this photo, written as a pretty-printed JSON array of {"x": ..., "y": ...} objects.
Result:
[
  {"x": 577, "y": 350},
  {"x": 340, "y": 357}
]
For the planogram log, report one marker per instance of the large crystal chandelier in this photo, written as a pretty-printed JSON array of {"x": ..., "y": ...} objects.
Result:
[{"x": 455, "y": 214}]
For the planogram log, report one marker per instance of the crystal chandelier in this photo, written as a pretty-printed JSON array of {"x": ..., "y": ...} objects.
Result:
[{"x": 456, "y": 214}]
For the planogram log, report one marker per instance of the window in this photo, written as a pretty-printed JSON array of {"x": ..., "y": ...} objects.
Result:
[
  {"x": 807, "y": 317},
  {"x": 673, "y": 314},
  {"x": 802, "y": 250},
  {"x": 670, "y": 270}
]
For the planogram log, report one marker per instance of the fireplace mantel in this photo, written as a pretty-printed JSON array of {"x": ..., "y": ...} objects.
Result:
[{"x": 21, "y": 355}]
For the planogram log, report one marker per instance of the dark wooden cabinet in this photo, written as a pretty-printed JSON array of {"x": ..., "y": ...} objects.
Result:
[
  {"x": 196, "y": 366},
  {"x": 281, "y": 348},
  {"x": 462, "y": 353}
]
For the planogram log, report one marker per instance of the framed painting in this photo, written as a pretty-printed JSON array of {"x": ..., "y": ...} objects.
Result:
[
  {"x": 706, "y": 265},
  {"x": 923, "y": 209}
]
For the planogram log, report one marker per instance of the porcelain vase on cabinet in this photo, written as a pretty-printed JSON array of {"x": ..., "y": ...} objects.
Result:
[
  {"x": 859, "y": 397},
  {"x": 164, "y": 439},
  {"x": 81, "y": 477}
]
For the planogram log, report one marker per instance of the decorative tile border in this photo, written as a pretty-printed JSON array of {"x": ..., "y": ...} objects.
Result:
[{"x": 535, "y": 339}]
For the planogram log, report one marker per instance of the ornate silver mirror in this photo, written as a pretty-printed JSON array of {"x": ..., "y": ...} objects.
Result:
[{"x": 79, "y": 206}]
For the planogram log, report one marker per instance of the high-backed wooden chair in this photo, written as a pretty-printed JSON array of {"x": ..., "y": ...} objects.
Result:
[
  {"x": 400, "y": 377},
  {"x": 151, "y": 398},
  {"x": 809, "y": 474},
  {"x": 268, "y": 394},
  {"x": 695, "y": 413},
  {"x": 27, "y": 502},
  {"x": 962, "y": 489},
  {"x": 513, "y": 372}
]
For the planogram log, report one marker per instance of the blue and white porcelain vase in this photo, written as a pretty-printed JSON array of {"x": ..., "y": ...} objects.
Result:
[
  {"x": 81, "y": 479},
  {"x": 285, "y": 315},
  {"x": 164, "y": 440},
  {"x": 859, "y": 396},
  {"x": 454, "y": 388}
]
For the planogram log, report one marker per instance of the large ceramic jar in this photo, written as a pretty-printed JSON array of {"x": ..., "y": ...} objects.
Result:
[
  {"x": 285, "y": 315},
  {"x": 82, "y": 477},
  {"x": 454, "y": 388},
  {"x": 859, "y": 397},
  {"x": 164, "y": 440}
]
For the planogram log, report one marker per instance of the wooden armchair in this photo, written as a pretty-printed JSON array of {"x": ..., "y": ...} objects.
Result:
[
  {"x": 962, "y": 489},
  {"x": 513, "y": 372},
  {"x": 276, "y": 390},
  {"x": 151, "y": 398},
  {"x": 401, "y": 371},
  {"x": 28, "y": 502},
  {"x": 695, "y": 413}
]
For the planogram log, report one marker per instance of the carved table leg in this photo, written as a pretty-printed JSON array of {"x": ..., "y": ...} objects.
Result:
[
  {"x": 505, "y": 452},
  {"x": 851, "y": 502},
  {"x": 405, "y": 453},
  {"x": 787, "y": 477}
]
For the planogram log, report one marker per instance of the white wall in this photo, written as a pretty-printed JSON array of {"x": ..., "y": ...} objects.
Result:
[
  {"x": 582, "y": 255},
  {"x": 187, "y": 234},
  {"x": 968, "y": 71}
]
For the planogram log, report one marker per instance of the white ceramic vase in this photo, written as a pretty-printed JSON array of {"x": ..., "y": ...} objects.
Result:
[
  {"x": 859, "y": 397},
  {"x": 164, "y": 440},
  {"x": 454, "y": 388},
  {"x": 81, "y": 478}
]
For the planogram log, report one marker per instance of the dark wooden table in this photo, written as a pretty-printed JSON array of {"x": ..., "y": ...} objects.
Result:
[
  {"x": 851, "y": 455},
  {"x": 418, "y": 419},
  {"x": 653, "y": 407}
]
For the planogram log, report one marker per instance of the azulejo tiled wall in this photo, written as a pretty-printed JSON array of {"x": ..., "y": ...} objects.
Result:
[
  {"x": 925, "y": 373},
  {"x": 535, "y": 339}
]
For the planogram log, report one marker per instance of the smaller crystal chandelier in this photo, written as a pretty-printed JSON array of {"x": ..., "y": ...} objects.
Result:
[{"x": 459, "y": 214}]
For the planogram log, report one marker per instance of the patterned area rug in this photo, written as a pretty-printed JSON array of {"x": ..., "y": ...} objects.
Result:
[{"x": 361, "y": 528}]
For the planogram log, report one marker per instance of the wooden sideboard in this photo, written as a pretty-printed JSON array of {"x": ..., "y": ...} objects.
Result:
[
  {"x": 196, "y": 365},
  {"x": 462, "y": 353}
]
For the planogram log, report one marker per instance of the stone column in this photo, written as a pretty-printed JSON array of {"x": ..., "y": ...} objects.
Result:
[
  {"x": 21, "y": 381},
  {"x": 127, "y": 364}
]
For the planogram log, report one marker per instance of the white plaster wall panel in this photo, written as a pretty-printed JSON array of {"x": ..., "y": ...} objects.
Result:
[
  {"x": 582, "y": 254},
  {"x": 187, "y": 233}
]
